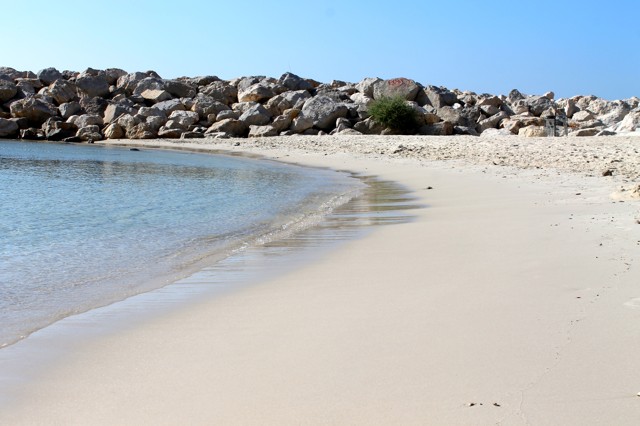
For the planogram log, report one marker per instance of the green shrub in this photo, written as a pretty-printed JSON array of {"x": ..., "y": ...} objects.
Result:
[{"x": 394, "y": 113}]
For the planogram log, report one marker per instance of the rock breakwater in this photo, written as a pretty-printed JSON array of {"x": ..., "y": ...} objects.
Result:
[{"x": 114, "y": 104}]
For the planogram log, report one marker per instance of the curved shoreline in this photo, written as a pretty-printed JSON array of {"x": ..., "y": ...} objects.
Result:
[{"x": 510, "y": 299}]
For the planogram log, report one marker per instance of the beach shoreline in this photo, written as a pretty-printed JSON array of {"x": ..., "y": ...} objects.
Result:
[{"x": 511, "y": 298}]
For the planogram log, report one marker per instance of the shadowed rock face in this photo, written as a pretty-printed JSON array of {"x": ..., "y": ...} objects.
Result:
[{"x": 115, "y": 104}]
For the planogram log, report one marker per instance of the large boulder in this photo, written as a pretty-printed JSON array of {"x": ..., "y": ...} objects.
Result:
[
  {"x": 95, "y": 105},
  {"x": 402, "y": 87},
  {"x": 437, "y": 97},
  {"x": 169, "y": 106},
  {"x": 293, "y": 82},
  {"x": 538, "y": 104},
  {"x": 442, "y": 128},
  {"x": 69, "y": 108},
  {"x": 63, "y": 91},
  {"x": 8, "y": 90},
  {"x": 85, "y": 120},
  {"x": 301, "y": 124},
  {"x": 532, "y": 132},
  {"x": 56, "y": 130},
  {"x": 369, "y": 127},
  {"x": 262, "y": 131},
  {"x": 630, "y": 123},
  {"x": 114, "y": 131},
  {"x": 148, "y": 83},
  {"x": 115, "y": 110},
  {"x": 324, "y": 112},
  {"x": 184, "y": 118},
  {"x": 128, "y": 82},
  {"x": 34, "y": 109},
  {"x": 221, "y": 91},
  {"x": 287, "y": 100},
  {"x": 258, "y": 92},
  {"x": 113, "y": 74},
  {"x": 180, "y": 89},
  {"x": 366, "y": 86},
  {"x": 93, "y": 85},
  {"x": 49, "y": 75},
  {"x": 155, "y": 95},
  {"x": 89, "y": 133},
  {"x": 8, "y": 128},
  {"x": 206, "y": 105},
  {"x": 491, "y": 122},
  {"x": 255, "y": 115},
  {"x": 230, "y": 127}
]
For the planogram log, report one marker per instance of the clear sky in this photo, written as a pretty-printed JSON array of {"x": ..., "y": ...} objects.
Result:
[{"x": 572, "y": 47}]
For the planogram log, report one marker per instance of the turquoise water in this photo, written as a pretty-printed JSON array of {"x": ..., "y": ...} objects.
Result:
[{"x": 83, "y": 226}]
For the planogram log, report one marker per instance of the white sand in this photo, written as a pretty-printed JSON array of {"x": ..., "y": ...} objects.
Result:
[{"x": 513, "y": 298}]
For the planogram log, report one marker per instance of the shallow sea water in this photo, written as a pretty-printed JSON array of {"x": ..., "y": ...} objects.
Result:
[{"x": 84, "y": 226}]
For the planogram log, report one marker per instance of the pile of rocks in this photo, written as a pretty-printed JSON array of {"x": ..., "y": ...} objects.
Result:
[{"x": 114, "y": 104}]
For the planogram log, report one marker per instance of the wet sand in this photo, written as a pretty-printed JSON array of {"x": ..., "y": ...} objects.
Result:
[{"x": 512, "y": 298}]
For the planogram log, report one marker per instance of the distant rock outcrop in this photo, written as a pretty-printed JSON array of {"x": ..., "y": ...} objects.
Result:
[{"x": 111, "y": 103}]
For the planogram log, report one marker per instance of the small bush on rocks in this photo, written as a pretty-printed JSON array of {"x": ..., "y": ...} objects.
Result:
[{"x": 394, "y": 113}]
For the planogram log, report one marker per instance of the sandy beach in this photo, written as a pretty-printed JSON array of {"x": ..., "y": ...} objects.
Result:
[{"x": 512, "y": 298}]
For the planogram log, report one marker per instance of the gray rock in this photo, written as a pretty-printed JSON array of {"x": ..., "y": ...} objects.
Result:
[
  {"x": 69, "y": 108},
  {"x": 324, "y": 112},
  {"x": 491, "y": 122},
  {"x": 114, "y": 131},
  {"x": 281, "y": 123},
  {"x": 489, "y": 100},
  {"x": 586, "y": 132},
  {"x": 583, "y": 116},
  {"x": 443, "y": 128},
  {"x": 262, "y": 131},
  {"x": 287, "y": 100},
  {"x": 93, "y": 85},
  {"x": 95, "y": 105},
  {"x": 56, "y": 130},
  {"x": 8, "y": 90},
  {"x": 113, "y": 74},
  {"x": 152, "y": 112},
  {"x": 63, "y": 91},
  {"x": 368, "y": 127},
  {"x": 514, "y": 96},
  {"x": 228, "y": 114},
  {"x": 180, "y": 89},
  {"x": 192, "y": 135},
  {"x": 235, "y": 128},
  {"x": 88, "y": 120},
  {"x": 615, "y": 116},
  {"x": 259, "y": 92},
  {"x": 185, "y": 118},
  {"x": 115, "y": 110},
  {"x": 34, "y": 109},
  {"x": 256, "y": 115},
  {"x": 439, "y": 97},
  {"x": 366, "y": 86},
  {"x": 538, "y": 104},
  {"x": 170, "y": 133},
  {"x": 156, "y": 95},
  {"x": 142, "y": 131},
  {"x": 89, "y": 133},
  {"x": 463, "y": 130},
  {"x": 402, "y": 87},
  {"x": 301, "y": 123},
  {"x": 8, "y": 128},
  {"x": 532, "y": 132},
  {"x": 129, "y": 82},
  {"x": 28, "y": 86},
  {"x": 49, "y": 75},
  {"x": 221, "y": 91},
  {"x": 169, "y": 106},
  {"x": 128, "y": 122},
  {"x": 206, "y": 105},
  {"x": 149, "y": 83},
  {"x": 293, "y": 82},
  {"x": 630, "y": 123}
]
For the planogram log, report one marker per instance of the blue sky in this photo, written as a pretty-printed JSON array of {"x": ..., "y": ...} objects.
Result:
[{"x": 571, "y": 47}]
